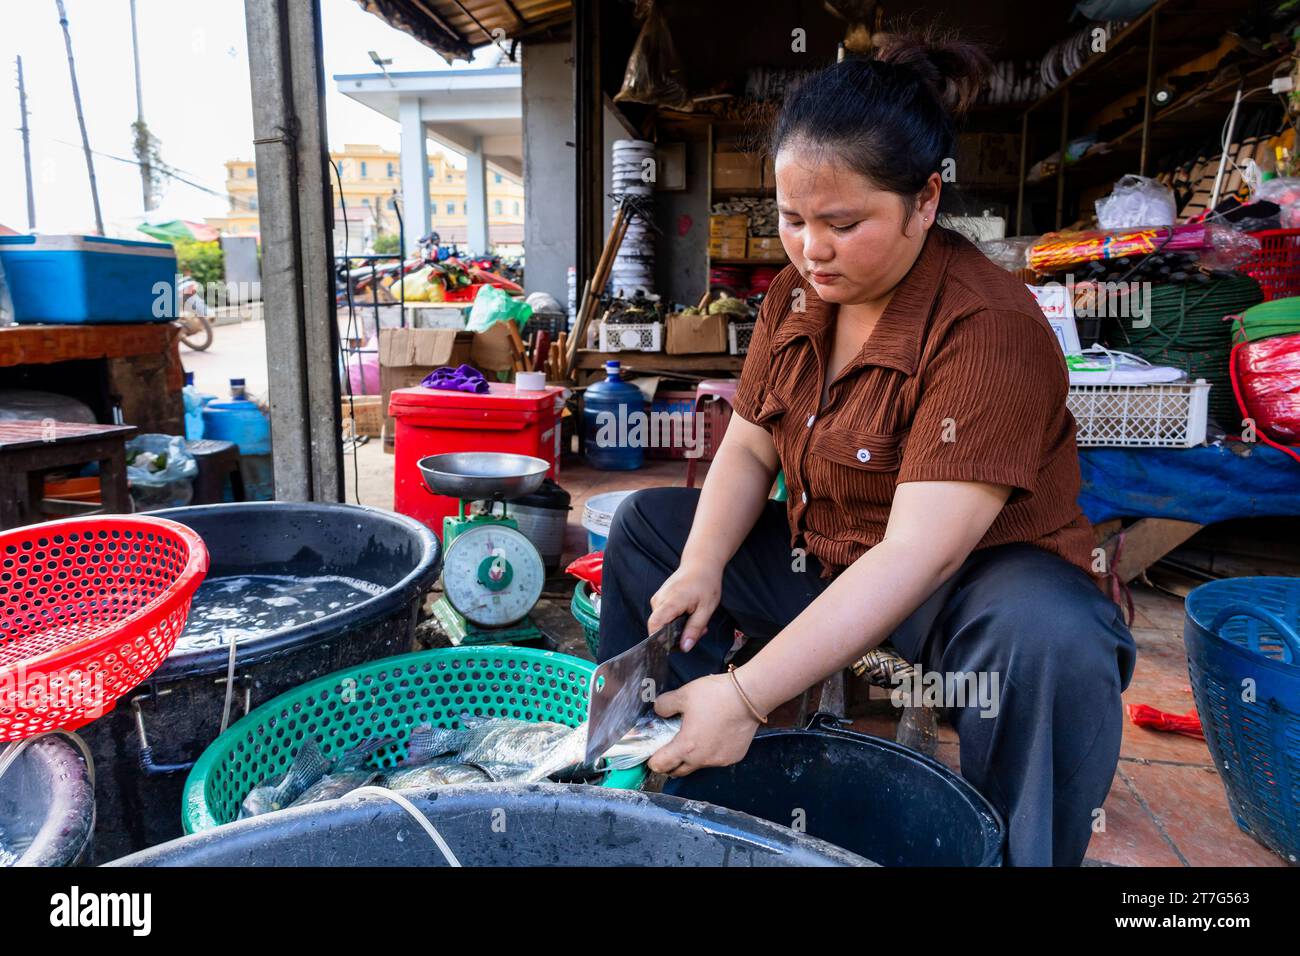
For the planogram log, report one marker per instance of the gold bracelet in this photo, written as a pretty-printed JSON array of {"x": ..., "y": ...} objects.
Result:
[{"x": 731, "y": 669}]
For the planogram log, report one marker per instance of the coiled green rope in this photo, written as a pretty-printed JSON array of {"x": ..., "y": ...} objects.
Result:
[
  {"x": 1268, "y": 319},
  {"x": 1185, "y": 326}
]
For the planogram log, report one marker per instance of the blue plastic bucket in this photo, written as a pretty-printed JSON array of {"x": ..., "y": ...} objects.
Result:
[{"x": 598, "y": 514}]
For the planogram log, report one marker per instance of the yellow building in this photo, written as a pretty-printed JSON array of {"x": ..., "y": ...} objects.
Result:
[{"x": 371, "y": 178}]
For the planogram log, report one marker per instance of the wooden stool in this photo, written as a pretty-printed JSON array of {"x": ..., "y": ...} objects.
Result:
[
  {"x": 218, "y": 462},
  {"x": 918, "y": 726},
  {"x": 708, "y": 391},
  {"x": 29, "y": 450}
]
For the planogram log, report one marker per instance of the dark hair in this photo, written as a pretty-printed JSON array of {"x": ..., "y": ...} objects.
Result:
[{"x": 893, "y": 116}]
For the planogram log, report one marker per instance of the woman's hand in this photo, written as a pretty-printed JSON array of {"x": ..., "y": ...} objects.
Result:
[
  {"x": 691, "y": 589},
  {"x": 717, "y": 727}
]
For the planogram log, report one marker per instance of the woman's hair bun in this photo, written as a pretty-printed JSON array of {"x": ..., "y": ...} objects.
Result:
[{"x": 952, "y": 67}]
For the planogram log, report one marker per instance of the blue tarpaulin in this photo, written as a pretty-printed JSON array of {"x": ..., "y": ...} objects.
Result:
[{"x": 1204, "y": 484}]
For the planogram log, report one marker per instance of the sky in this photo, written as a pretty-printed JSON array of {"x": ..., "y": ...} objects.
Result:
[{"x": 194, "y": 72}]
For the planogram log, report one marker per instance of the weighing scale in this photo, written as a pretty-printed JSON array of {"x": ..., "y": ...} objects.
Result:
[{"x": 492, "y": 575}]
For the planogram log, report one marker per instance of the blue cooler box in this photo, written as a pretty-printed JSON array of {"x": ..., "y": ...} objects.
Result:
[{"x": 81, "y": 279}]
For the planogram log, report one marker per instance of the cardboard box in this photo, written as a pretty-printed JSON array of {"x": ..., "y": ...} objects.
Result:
[
  {"x": 988, "y": 158},
  {"x": 727, "y": 248},
  {"x": 765, "y": 247},
  {"x": 696, "y": 334},
  {"x": 729, "y": 227},
  {"x": 490, "y": 350},
  {"x": 769, "y": 173},
  {"x": 737, "y": 171},
  {"x": 407, "y": 355}
]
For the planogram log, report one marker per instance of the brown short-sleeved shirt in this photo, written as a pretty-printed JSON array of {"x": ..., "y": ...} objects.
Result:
[{"x": 962, "y": 379}]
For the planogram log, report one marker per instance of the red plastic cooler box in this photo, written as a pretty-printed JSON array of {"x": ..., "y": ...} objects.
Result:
[{"x": 437, "y": 421}]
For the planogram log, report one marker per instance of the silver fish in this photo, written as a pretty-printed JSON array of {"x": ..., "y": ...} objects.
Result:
[
  {"x": 335, "y": 785},
  {"x": 308, "y": 766},
  {"x": 503, "y": 740},
  {"x": 500, "y": 750},
  {"x": 309, "y": 770},
  {"x": 433, "y": 775},
  {"x": 641, "y": 742}
]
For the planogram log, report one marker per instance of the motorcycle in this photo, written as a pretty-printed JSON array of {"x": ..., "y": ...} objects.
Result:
[{"x": 196, "y": 327}]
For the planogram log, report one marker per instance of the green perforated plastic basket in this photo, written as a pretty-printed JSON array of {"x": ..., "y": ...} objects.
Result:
[
  {"x": 584, "y": 612},
  {"x": 387, "y": 698}
]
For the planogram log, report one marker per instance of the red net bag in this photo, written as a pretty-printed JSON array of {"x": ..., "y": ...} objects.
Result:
[{"x": 1268, "y": 372}]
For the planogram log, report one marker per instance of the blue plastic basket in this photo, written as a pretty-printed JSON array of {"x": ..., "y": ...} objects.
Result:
[{"x": 1243, "y": 654}]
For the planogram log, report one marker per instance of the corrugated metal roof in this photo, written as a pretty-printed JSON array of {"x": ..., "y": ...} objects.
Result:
[{"x": 455, "y": 28}]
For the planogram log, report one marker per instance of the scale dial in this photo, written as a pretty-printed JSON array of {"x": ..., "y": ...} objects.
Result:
[{"x": 492, "y": 575}]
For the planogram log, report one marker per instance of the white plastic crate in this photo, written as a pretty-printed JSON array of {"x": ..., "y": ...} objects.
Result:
[
  {"x": 738, "y": 336},
  {"x": 631, "y": 337},
  {"x": 1140, "y": 416}
]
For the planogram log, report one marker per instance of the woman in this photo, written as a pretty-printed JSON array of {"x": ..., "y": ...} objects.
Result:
[{"x": 914, "y": 396}]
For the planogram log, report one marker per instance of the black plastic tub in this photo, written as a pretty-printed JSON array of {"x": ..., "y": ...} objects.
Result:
[
  {"x": 544, "y": 825},
  {"x": 47, "y": 806},
  {"x": 178, "y": 712},
  {"x": 873, "y": 797}
]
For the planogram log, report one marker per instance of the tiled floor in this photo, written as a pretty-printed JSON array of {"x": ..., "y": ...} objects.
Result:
[{"x": 1166, "y": 806}]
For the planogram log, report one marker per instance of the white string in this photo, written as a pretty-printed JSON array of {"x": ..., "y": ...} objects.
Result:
[
  {"x": 1113, "y": 356},
  {"x": 416, "y": 815}
]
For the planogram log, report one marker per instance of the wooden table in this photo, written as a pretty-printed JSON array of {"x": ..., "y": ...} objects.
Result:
[
  {"x": 590, "y": 364},
  {"x": 30, "y": 449},
  {"x": 134, "y": 367}
]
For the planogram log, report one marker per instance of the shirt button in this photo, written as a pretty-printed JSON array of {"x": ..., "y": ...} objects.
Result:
[
  {"x": 811, "y": 419},
  {"x": 864, "y": 455},
  {"x": 803, "y": 496}
]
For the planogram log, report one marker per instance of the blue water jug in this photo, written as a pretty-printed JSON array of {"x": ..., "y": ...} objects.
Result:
[{"x": 614, "y": 423}]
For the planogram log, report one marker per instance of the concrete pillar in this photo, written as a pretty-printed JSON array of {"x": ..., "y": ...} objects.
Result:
[
  {"x": 476, "y": 198},
  {"x": 287, "y": 76},
  {"x": 547, "y": 87},
  {"x": 415, "y": 173}
]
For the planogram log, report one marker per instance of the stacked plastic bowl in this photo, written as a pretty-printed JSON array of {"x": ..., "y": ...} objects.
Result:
[{"x": 634, "y": 266}]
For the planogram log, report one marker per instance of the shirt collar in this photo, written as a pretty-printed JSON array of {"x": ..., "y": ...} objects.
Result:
[{"x": 896, "y": 340}]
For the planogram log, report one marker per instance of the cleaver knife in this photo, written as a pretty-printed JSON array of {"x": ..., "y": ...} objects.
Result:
[{"x": 623, "y": 688}]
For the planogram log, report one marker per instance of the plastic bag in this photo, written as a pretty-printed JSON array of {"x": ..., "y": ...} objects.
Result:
[
  {"x": 1268, "y": 373},
  {"x": 21, "y": 404},
  {"x": 588, "y": 568},
  {"x": 1226, "y": 247},
  {"x": 1137, "y": 201},
  {"x": 654, "y": 74},
  {"x": 1285, "y": 191},
  {"x": 423, "y": 285},
  {"x": 1011, "y": 254},
  {"x": 160, "y": 471},
  {"x": 491, "y": 305}
]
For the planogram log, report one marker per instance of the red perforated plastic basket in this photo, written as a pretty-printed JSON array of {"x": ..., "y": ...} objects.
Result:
[
  {"x": 89, "y": 607},
  {"x": 1276, "y": 267}
]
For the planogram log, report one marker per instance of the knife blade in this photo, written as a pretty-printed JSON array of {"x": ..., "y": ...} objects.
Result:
[{"x": 623, "y": 688}]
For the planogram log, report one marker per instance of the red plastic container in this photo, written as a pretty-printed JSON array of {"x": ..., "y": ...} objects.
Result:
[
  {"x": 436, "y": 421},
  {"x": 89, "y": 607},
  {"x": 467, "y": 294},
  {"x": 1276, "y": 267}
]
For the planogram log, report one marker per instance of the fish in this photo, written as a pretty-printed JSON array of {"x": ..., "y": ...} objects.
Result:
[
  {"x": 480, "y": 750},
  {"x": 433, "y": 775},
  {"x": 308, "y": 766},
  {"x": 311, "y": 773},
  {"x": 336, "y": 785},
  {"x": 639, "y": 744}
]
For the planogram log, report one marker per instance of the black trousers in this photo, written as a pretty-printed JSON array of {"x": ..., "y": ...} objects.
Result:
[{"x": 1054, "y": 650}]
